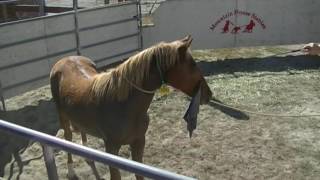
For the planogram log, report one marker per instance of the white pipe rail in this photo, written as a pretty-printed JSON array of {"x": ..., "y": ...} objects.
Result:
[{"x": 106, "y": 158}]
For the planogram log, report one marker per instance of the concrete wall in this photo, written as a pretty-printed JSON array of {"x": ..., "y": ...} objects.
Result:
[{"x": 274, "y": 22}]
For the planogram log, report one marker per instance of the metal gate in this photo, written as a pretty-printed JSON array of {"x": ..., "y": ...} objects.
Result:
[{"x": 29, "y": 48}]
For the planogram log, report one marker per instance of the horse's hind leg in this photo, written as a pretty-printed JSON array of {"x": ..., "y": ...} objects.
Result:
[
  {"x": 65, "y": 124},
  {"x": 137, "y": 149},
  {"x": 89, "y": 161},
  {"x": 18, "y": 159},
  {"x": 113, "y": 149}
]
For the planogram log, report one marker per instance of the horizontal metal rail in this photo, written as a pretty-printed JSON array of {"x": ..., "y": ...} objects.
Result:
[
  {"x": 14, "y": 65},
  {"x": 35, "y": 19},
  {"x": 126, "y": 3},
  {"x": 66, "y": 13},
  {"x": 38, "y": 78},
  {"x": 109, "y": 40},
  {"x": 117, "y": 55},
  {"x": 112, "y": 160},
  {"x": 36, "y": 39},
  {"x": 8, "y": 87},
  {"x": 108, "y": 24}
]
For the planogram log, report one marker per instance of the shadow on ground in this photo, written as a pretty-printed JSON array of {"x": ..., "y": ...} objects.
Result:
[
  {"x": 249, "y": 65},
  {"x": 42, "y": 117}
]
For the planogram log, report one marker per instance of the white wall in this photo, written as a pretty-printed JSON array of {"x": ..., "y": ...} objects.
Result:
[{"x": 282, "y": 22}]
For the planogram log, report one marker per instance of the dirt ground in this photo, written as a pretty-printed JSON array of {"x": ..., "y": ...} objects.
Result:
[{"x": 226, "y": 144}]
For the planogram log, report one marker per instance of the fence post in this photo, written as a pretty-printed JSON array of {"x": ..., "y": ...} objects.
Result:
[
  {"x": 49, "y": 160},
  {"x": 76, "y": 25},
  {"x": 2, "y": 98},
  {"x": 140, "y": 24},
  {"x": 42, "y": 10}
]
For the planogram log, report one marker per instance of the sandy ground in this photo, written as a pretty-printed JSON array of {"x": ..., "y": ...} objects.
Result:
[{"x": 222, "y": 146}]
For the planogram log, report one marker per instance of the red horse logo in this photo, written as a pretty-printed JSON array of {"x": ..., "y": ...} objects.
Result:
[
  {"x": 225, "y": 28},
  {"x": 225, "y": 22},
  {"x": 249, "y": 27},
  {"x": 235, "y": 30}
]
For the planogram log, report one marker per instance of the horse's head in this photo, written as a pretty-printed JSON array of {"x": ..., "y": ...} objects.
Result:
[{"x": 185, "y": 75}]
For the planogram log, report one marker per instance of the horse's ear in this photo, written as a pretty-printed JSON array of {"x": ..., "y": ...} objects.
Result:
[{"x": 184, "y": 44}]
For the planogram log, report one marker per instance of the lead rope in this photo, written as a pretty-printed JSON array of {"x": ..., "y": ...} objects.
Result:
[
  {"x": 147, "y": 91},
  {"x": 140, "y": 89},
  {"x": 160, "y": 72},
  {"x": 283, "y": 53},
  {"x": 264, "y": 114}
]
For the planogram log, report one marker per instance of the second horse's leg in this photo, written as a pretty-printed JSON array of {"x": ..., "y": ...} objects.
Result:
[{"x": 89, "y": 161}]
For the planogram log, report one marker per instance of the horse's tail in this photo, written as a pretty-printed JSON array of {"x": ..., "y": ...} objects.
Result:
[{"x": 54, "y": 83}]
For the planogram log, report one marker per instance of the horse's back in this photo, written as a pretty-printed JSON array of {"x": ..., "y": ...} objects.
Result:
[
  {"x": 69, "y": 75},
  {"x": 73, "y": 64}
]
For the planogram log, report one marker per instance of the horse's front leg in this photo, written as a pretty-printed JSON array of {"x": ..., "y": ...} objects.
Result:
[
  {"x": 137, "y": 148},
  {"x": 113, "y": 148}
]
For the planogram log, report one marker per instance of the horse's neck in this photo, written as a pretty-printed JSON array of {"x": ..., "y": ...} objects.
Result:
[
  {"x": 139, "y": 101},
  {"x": 151, "y": 83}
]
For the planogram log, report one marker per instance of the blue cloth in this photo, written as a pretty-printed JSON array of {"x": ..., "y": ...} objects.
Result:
[{"x": 192, "y": 113}]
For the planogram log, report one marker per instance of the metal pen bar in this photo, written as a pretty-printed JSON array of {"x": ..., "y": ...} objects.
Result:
[
  {"x": 42, "y": 77},
  {"x": 107, "y": 24},
  {"x": 14, "y": 65},
  {"x": 109, "y": 41},
  {"x": 116, "y": 55},
  {"x": 34, "y": 19},
  {"x": 126, "y": 3},
  {"x": 140, "y": 24},
  {"x": 35, "y": 39},
  {"x": 76, "y": 25},
  {"x": 112, "y": 160}
]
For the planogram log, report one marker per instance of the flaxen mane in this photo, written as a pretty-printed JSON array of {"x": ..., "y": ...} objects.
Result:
[{"x": 114, "y": 84}]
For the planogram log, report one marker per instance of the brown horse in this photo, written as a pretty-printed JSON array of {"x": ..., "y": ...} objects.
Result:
[{"x": 113, "y": 105}]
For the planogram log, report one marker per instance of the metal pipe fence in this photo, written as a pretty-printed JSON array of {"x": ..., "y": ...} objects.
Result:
[
  {"x": 76, "y": 35},
  {"x": 86, "y": 152}
]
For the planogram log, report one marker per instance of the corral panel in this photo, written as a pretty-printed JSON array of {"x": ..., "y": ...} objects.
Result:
[
  {"x": 99, "y": 16},
  {"x": 104, "y": 54},
  {"x": 29, "y": 48}
]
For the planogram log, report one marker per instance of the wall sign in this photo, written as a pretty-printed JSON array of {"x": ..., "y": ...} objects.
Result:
[{"x": 225, "y": 25}]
